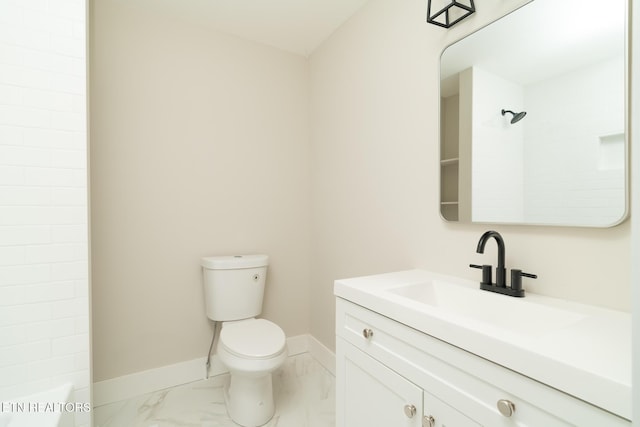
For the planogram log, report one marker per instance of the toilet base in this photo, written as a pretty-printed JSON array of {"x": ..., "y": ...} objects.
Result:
[{"x": 249, "y": 399}]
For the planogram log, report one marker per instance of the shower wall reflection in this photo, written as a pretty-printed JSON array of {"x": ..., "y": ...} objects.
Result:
[{"x": 564, "y": 163}]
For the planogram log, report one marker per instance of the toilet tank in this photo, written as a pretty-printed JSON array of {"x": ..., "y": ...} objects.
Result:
[{"x": 234, "y": 286}]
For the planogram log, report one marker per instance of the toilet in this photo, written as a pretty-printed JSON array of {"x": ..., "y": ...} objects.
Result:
[{"x": 250, "y": 348}]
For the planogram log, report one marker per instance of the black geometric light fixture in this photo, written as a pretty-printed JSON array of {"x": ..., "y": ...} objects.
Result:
[{"x": 452, "y": 13}]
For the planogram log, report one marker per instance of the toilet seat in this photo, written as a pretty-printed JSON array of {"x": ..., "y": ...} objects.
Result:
[{"x": 253, "y": 339}]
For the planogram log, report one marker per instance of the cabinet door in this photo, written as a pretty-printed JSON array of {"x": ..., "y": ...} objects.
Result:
[
  {"x": 443, "y": 415},
  {"x": 372, "y": 395}
]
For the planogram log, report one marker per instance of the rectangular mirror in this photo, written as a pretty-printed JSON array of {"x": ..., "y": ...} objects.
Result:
[{"x": 533, "y": 117}]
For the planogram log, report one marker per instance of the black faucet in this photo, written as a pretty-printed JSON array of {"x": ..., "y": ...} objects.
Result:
[
  {"x": 500, "y": 270},
  {"x": 515, "y": 290}
]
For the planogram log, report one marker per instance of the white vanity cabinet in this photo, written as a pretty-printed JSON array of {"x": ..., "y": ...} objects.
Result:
[
  {"x": 389, "y": 374},
  {"x": 374, "y": 394}
]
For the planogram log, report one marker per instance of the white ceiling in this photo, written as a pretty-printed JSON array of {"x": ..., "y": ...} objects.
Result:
[
  {"x": 542, "y": 39},
  {"x": 297, "y": 26}
]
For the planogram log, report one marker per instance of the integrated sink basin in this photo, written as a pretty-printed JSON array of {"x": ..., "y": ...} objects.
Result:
[
  {"x": 494, "y": 310},
  {"x": 582, "y": 350}
]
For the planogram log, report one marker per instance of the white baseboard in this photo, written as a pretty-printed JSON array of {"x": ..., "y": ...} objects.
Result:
[
  {"x": 298, "y": 344},
  {"x": 127, "y": 386},
  {"x": 322, "y": 354}
]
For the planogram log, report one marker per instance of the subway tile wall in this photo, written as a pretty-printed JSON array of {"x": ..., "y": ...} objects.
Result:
[{"x": 44, "y": 301}]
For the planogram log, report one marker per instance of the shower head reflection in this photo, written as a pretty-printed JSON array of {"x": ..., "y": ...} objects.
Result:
[{"x": 516, "y": 116}]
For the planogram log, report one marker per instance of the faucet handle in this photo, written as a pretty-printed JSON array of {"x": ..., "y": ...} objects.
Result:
[
  {"x": 516, "y": 278},
  {"x": 486, "y": 273}
]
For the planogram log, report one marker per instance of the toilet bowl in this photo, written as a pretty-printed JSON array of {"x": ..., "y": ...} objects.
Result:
[{"x": 251, "y": 349}]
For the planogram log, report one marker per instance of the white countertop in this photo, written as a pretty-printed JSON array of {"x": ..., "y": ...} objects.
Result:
[{"x": 587, "y": 356}]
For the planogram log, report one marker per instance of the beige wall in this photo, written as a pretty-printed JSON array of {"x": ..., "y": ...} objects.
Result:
[
  {"x": 375, "y": 186},
  {"x": 199, "y": 146}
]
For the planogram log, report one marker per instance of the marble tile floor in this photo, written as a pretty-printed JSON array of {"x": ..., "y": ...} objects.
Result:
[{"x": 304, "y": 393}]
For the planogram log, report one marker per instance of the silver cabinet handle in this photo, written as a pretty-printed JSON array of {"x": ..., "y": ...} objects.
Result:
[
  {"x": 506, "y": 407},
  {"x": 428, "y": 421},
  {"x": 409, "y": 411},
  {"x": 367, "y": 333}
]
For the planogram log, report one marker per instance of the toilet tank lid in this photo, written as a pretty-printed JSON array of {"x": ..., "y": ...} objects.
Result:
[{"x": 230, "y": 262}]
